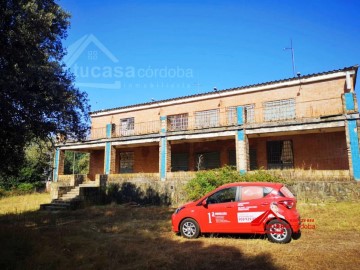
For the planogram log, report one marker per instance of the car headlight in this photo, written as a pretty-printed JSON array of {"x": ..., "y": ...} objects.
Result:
[{"x": 179, "y": 209}]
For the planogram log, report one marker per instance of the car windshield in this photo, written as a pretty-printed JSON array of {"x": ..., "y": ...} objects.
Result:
[{"x": 287, "y": 193}]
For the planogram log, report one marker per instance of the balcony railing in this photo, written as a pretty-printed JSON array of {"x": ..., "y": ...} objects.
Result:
[
  {"x": 274, "y": 111},
  {"x": 142, "y": 128},
  {"x": 211, "y": 119}
]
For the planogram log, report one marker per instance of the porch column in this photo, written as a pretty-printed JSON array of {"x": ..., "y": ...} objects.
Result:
[
  {"x": 241, "y": 143},
  {"x": 59, "y": 160},
  {"x": 108, "y": 150},
  {"x": 352, "y": 136},
  {"x": 164, "y": 150}
]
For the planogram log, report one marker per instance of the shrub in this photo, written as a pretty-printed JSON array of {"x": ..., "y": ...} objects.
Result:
[
  {"x": 113, "y": 192},
  {"x": 26, "y": 187},
  {"x": 2, "y": 192},
  {"x": 206, "y": 181},
  {"x": 263, "y": 176}
]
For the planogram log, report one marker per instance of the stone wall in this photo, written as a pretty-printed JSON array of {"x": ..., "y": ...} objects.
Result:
[
  {"x": 172, "y": 190},
  {"x": 149, "y": 184},
  {"x": 298, "y": 175},
  {"x": 326, "y": 191}
]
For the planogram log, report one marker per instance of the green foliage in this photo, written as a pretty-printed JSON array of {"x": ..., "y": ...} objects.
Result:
[
  {"x": 206, "y": 181},
  {"x": 35, "y": 168},
  {"x": 26, "y": 187},
  {"x": 37, "y": 94},
  {"x": 2, "y": 192},
  {"x": 263, "y": 176},
  {"x": 77, "y": 163}
]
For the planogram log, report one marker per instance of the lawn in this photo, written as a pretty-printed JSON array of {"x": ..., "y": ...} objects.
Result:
[{"x": 128, "y": 237}]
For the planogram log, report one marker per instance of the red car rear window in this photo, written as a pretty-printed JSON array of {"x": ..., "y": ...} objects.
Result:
[{"x": 287, "y": 193}]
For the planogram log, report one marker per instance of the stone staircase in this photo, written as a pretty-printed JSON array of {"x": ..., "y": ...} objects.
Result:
[{"x": 70, "y": 200}]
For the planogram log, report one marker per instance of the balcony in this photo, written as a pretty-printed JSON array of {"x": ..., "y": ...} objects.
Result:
[{"x": 270, "y": 113}]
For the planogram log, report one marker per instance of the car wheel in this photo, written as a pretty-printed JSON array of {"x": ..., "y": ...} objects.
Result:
[
  {"x": 189, "y": 228},
  {"x": 278, "y": 231}
]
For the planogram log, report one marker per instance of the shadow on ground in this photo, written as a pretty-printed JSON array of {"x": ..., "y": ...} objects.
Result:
[{"x": 112, "y": 237}]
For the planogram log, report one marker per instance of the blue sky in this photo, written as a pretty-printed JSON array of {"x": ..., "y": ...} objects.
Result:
[{"x": 129, "y": 52}]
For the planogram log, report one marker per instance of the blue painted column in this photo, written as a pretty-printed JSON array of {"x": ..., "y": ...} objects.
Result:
[
  {"x": 349, "y": 102},
  {"x": 241, "y": 143},
  {"x": 56, "y": 165},
  {"x": 163, "y": 153},
  {"x": 354, "y": 148},
  {"x": 352, "y": 135},
  {"x": 107, "y": 160}
]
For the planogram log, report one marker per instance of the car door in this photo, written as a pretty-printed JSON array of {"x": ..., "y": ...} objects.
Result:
[
  {"x": 253, "y": 208},
  {"x": 219, "y": 213}
]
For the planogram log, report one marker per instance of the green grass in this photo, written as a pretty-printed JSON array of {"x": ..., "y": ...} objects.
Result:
[{"x": 126, "y": 237}]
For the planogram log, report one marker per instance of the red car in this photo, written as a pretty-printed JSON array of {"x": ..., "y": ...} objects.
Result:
[{"x": 251, "y": 207}]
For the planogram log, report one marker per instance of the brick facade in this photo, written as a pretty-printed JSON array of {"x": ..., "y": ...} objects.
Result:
[
  {"x": 318, "y": 151},
  {"x": 96, "y": 163},
  {"x": 312, "y": 115}
]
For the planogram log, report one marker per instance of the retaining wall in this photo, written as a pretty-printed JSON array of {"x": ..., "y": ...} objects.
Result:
[{"x": 173, "y": 188}]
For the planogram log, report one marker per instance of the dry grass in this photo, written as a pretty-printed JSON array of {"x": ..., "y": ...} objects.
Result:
[
  {"x": 23, "y": 203},
  {"x": 125, "y": 237}
]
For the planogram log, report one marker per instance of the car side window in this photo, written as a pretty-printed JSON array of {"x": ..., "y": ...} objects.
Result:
[
  {"x": 223, "y": 196},
  {"x": 253, "y": 193}
]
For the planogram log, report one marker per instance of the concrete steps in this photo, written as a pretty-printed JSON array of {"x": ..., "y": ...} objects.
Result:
[{"x": 68, "y": 201}]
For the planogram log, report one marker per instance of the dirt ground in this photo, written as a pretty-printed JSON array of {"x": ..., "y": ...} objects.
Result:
[{"x": 130, "y": 237}]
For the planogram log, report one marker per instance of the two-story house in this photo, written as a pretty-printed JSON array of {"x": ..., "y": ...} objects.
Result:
[{"x": 305, "y": 122}]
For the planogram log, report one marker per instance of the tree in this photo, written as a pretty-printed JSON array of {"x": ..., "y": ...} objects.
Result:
[
  {"x": 38, "y": 98},
  {"x": 76, "y": 162},
  {"x": 37, "y": 165}
]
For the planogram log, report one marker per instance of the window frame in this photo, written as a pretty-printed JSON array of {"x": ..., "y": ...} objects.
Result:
[
  {"x": 236, "y": 198},
  {"x": 178, "y": 122},
  {"x": 207, "y": 119},
  {"x": 249, "y": 114},
  {"x": 263, "y": 192},
  {"x": 130, "y": 126},
  {"x": 271, "y": 164},
  {"x": 279, "y": 110},
  {"x": 127, "y": 161}
]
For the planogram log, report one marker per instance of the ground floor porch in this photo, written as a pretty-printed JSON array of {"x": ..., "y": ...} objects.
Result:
[{"x": 322, "y": 149}]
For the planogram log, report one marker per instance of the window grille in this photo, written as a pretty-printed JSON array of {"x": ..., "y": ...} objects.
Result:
[
  {"x": 253, "y": 159},
  {"x": 127, "y": 126},
  {"x": 280, "y": 155},
  {"x": 232, "y": 158},
  {"x": 126, "y": 162},
  {"x": 205, "y": 161},
  {"x": 178, "y": 122},
  {"x": 249, "y": 114},
  {"x": 179, "y": 162},
  {"x": 279, "y": 110},
  {"x": 231, "y": 113},
  {"x": 206, "y": 119}
]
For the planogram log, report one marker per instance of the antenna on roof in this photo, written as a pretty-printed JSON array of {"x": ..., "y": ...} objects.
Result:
[
  {"x": 292, "y": 56},
  {"x": 197, "y": 84}
]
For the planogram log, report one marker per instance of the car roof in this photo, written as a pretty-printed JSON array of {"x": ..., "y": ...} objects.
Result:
[{"x": 266, "y": 184}]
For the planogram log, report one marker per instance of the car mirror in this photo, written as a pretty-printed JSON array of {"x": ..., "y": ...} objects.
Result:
[{"x": 204, "y": 202}]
